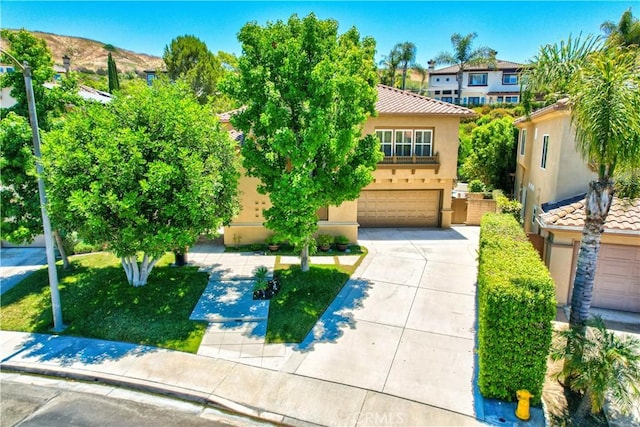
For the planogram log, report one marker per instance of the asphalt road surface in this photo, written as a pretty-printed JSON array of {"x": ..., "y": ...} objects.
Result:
[{"x": 40, "y": 402}]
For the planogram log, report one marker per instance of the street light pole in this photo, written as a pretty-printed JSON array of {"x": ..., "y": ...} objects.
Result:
[
  {"x": 56, "y": 307},
  {"x": 58, "y": 326}
]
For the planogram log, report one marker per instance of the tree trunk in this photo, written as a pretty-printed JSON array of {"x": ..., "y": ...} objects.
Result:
[
  {"x": 63, "y": 253},
  {"x": 583, "y": 409},
  {"x": 597, "y": 205},
  {"x": 138, "y": 276},
  {"x": 304, "y": 258},
  {"x": 404, "y": 77}
]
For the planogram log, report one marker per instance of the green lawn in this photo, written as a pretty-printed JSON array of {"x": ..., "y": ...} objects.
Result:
[
  {"x": 303, "y": 298},
  {"x": 97, "y": 302}
]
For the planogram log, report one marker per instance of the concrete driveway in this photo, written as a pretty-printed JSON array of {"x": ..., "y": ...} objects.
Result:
[
  {"x": 404, "y": 324},
  {"x": 18, "y": 263}
]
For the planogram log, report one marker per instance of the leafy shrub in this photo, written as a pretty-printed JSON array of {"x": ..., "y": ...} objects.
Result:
[
  {"x": 506, "y": 206},
  {"x": 324, "y": 239},
  {"x": 341, "y": 240},
  {"x": 109, "y": 47},
  {"x": 476, "y": 186},
  {"x": 516, "y": 304}
]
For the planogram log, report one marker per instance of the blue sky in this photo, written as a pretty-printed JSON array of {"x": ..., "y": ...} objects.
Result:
[{"x": 514, "y": 29}]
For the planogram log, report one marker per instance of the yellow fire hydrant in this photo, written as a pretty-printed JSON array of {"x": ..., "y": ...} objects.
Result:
[{"x": 522, "y": 411}]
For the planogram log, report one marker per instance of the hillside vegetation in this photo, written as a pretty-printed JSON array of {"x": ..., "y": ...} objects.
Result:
[{"x": 91, "y": 55}]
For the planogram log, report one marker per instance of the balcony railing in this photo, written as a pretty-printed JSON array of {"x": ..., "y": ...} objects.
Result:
[
  {"x": 403, "y": 160},
  {"x": 412, "y": 162}
]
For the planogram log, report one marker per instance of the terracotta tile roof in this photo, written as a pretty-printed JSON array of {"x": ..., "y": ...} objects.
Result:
[
  {"x": 500, "y": 65},
  {"x": 396, "y": 101},
  {"x": 624, "y": 215}
]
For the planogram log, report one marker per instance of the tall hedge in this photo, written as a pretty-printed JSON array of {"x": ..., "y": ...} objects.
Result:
[{"x": 516, "y": 305}]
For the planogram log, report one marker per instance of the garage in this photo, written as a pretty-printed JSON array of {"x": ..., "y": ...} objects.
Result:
[
  {"x": 399, "y": 208},
  {"x": 617, "y": 281}
]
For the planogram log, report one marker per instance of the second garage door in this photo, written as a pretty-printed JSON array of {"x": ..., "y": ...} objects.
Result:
[
  {"x": 399, "y": 208},
  {"x": 617, "y": 281}
]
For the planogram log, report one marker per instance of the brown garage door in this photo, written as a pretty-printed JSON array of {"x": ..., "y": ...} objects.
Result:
[
  {"x": 617, "y": 282},
  {"x": 399, "y": 208}
]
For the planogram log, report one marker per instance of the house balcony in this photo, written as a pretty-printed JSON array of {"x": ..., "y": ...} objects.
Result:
[{"x": 410, "y": 162}]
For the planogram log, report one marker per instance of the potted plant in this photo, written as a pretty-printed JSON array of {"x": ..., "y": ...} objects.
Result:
[
  {"x": 342, "y": 243},
  {"x": 324, "y": 242},
  {"x": 273, "y": 242}
]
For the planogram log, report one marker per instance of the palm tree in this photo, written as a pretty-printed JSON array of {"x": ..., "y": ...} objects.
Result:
[
  {"x": 390, "y": 64},
  {"x": 626, "y": 32},
  {"x": 599, "y": 364},
  {"x": 465, "y": 56},
  {"x": 407, "y": 56},
  {"x": 602, "y": 84}
]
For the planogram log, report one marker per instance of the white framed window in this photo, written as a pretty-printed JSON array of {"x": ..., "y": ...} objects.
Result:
[
  {"x": 474, "y": 100},
  {"x": 424, "y": 142},
  {"x": 511, "y": 99},
  {"x": 509, "y": 79},
  {"x": 478, "y": 79},
  {"x": 386, "y": 141},
  {"x": 403, "y": 142},
  {"x": 448, "y": 99},
  {"x": 523, "y": 141},
  {"x": 545, "y": 150}
]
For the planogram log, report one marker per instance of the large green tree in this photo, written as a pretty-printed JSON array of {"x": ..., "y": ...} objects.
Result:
[
  {"x": 307, "y": 92},
  {"x": 187, "y": 57},
  {"x": 601, "y": 83},
  {"x": 492, "y": 155},
  {"x": 25, "y": 47},
  {"x": 145, "y": 174},
  {"x": 21, "y": 215},
  {"x": 464, "y": 55}
]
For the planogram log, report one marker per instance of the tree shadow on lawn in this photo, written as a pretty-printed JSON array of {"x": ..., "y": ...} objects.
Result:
[
  {"x": 338, "y": 316},
  {"x": 97, "y": 302}
]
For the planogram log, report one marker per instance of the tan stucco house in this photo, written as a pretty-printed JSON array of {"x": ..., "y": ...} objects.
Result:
[
  {"x": 412, "y": 185},
  {"x": 551, "y": 181}
]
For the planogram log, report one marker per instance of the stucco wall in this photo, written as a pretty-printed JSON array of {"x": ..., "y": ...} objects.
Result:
[
  {"x": 565, "y": 174},
  {"x": 343, "y": 218}
]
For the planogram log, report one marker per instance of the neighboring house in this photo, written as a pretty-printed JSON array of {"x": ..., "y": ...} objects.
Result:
[
  {"x": 551, "y": 181},
  {"x": 412, "y": 185},
  {"x": 548, "y": 167},
  {"x": 617, "y": 276},
  {"x": 484, "y": 84}
]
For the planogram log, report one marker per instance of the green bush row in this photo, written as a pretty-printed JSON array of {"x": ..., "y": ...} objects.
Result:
[{"x": 516, "y": 305}]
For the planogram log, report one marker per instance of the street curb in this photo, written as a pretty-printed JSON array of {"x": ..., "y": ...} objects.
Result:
[{"x": 208, "y": 399}]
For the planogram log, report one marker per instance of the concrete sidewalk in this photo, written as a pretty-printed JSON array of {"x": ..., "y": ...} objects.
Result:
[{"x": 396, "y": 347}]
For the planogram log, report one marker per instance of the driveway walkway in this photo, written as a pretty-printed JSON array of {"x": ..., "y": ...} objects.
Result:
[
  {"x": 394, "y": 348},
  {"x": 403, "y": 325}
]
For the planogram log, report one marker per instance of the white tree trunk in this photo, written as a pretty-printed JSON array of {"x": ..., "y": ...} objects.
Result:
[
  {"x": 304, "y": 258},
  {"x": 138, "y": 276}
]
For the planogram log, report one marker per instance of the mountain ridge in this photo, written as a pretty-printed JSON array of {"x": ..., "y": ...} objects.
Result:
[{"x": 89, "y": 55}]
